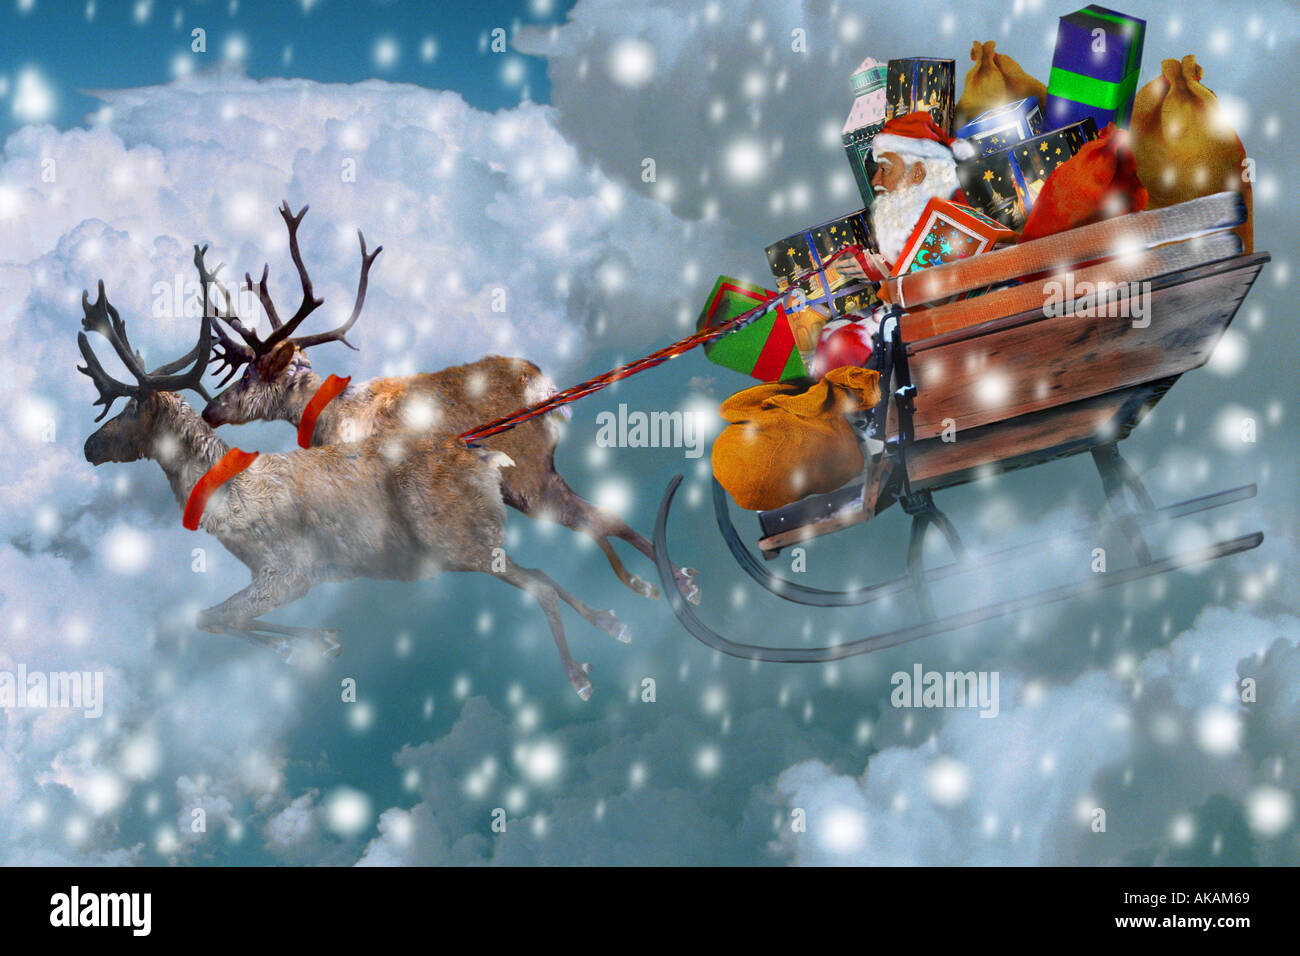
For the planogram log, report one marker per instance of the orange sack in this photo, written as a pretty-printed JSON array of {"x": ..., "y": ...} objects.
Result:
[
  {"x": 994, "y": 80},
  {"x": 785, "y": 442},
  {"x": 1183, "y": 143},
  {"x": 1098, "y": 182}
]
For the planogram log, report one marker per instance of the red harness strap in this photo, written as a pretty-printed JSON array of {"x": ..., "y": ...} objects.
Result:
[
  {"x": 231, "y": 464},
  {"x": 328, "y": 391}
]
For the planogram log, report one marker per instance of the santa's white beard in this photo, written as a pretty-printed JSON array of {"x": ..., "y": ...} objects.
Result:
[
  {"x": 894, "y": 217},
  {"x": 894, "y": 214}
]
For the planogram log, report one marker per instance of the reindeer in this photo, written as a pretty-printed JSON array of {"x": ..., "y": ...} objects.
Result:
[
  {"x": 278, "y": 382},
  {"x": 395, "y": 507}
]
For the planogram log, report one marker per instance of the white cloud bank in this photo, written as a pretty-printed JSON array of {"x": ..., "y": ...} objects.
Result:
[
  {"x": 95, "y": 572},
  {"x": 1164, "y": 745}
]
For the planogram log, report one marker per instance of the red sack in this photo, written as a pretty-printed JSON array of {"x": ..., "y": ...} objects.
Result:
[{"x": 1098, "y": 182}]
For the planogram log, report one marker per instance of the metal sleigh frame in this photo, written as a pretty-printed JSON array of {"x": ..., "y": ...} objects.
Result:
[{"x": 899, "y": 391}]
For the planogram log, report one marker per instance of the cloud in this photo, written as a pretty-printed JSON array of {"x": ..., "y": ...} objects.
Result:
[
  {"x": 95, "y": 572},
  {"x": 1164, "y": 745},
  {"x": 549, "y": 205},
  {"x": 627, "y": 795}
]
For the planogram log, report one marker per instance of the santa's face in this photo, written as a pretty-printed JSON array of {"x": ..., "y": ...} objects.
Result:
[
  {"x": 893, "y": 171},
  {"x": 905, "y": 185}
]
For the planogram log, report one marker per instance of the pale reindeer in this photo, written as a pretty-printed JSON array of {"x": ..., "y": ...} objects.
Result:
[
  {"x": 278, "y": 382},
  {"x": 395, "y": 507}
]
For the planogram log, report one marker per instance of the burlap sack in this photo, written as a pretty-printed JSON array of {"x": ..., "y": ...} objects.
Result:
[
  {"x": 994, "y": 80},
  {"x": 784, "y": 443},
  {"x": 1183, "y": 145},
  {"x": 1098, "y": 182}
]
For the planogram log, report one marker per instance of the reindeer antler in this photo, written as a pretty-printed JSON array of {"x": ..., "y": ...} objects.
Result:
[
  {"x": 232, "y": 355},
  {"x": 101, "y": 317},
  {"x": 338, "y": 335}
]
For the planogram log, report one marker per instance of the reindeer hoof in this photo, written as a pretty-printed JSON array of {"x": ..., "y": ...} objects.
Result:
[
  {"x": 686, "y": 584},
  {"x": 581, "y": 683},
  {"x": 331, "y": 648},
  {"x": 643, "y": 588},
  {"x": 611, "y": 625}
]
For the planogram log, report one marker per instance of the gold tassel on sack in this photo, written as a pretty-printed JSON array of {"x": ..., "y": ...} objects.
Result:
[
  {"x": 995, "y": 80},
  {"x": 1183, "y": 144}
]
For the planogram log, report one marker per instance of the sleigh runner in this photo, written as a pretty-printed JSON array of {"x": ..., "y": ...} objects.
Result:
[{"x": 1014, "y": 378}]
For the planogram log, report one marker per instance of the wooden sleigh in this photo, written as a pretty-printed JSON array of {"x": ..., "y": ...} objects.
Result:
[{"x": 1013, "y": 378}]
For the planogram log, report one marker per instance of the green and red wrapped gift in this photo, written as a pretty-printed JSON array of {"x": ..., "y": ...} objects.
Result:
[{"x": 764, "y": 349}]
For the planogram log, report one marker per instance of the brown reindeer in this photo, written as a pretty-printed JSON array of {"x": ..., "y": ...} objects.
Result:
[
  {"x": 278, "y": 382},
  {"x": 395, "y": 507}
]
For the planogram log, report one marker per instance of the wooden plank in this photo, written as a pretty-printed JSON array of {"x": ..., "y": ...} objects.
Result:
[
  {"x": 975, "y": 380},
  {"x": 1034, "y": 438},
  {"x": 1037, "y": 296},
  {"x": 1099, "y": 240}
]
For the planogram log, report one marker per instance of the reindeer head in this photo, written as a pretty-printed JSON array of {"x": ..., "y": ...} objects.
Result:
[
  {"x": 131, "y": 434},
  {"x": 275, "y": 366}
]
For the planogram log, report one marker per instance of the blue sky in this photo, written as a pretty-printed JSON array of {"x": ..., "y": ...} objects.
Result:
[
  {"x": 1125, "y": 702},
  {"x": 101, "y": 44}
]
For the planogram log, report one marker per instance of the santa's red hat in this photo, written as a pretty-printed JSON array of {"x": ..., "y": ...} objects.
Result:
[{"x": 917, "y": 134}]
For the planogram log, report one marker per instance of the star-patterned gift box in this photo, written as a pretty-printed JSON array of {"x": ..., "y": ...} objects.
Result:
[
  {"x": 1004, "y": 185},
  {"x": 764, "y": 349},
  {"x": 1004, "y": 126},
  {"x": 921, "y": 83},
  {"x": 827, "y": 290},
  {"x": 1095, "y": 67},
  {"x": 948, "y": 231}
]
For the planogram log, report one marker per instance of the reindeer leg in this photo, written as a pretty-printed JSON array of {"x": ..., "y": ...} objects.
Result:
[
  {"x": 573, "y": 511},
  {"x": 545, "y": 592},
  {"x": 327, "y": 638},
  {"x": 605, "y": 620},
  {"x": 269, "y": 589}
]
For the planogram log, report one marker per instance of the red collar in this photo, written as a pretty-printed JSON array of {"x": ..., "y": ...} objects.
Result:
[
  {"x": 328, "y": 391},
  {"x": 231, "y": 464}
]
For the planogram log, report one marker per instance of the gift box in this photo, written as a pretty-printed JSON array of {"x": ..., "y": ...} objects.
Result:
[
  {"x": 948, "y": 231},
  {"x": 809, "y": 250},
  {"x": 1004, "y": 185},
  {"x": 1004, "y": 126},
  {"x": 921, "y": 83},
  {"x": 765, "y": 348},
  {"x": 1095, "y": 68},
  {"x": 869, "y": 78},
  {"x": 865, "y": 120}
]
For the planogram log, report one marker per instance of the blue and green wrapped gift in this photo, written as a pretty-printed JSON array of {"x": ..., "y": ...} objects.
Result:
[{"x": 1095, "y": 68}]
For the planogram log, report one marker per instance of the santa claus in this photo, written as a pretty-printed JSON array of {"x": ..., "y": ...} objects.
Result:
[{"x": 916, "y": 161}]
